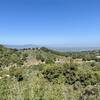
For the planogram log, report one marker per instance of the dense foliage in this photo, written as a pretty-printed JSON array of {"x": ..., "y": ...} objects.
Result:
[{"x": 47, "y": 78}]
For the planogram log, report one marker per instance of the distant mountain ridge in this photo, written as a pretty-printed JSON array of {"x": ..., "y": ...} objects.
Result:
[
  {"x": 22, "y": 46},
  {"x": 54, "y": 48}
]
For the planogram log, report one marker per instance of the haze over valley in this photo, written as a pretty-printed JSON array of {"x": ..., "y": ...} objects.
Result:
[{"x": 49, "y": 49}]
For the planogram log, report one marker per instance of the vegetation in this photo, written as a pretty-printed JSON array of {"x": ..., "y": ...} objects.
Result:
[{"x": 44, "y": 74}]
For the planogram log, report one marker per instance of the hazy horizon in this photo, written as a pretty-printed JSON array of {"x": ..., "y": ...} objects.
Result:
[{"x": 51, "y": 46}]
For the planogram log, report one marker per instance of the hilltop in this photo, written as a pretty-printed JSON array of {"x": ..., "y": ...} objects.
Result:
[{"x": 46, "y": 74}]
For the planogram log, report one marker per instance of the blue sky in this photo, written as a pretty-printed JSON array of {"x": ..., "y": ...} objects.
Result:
[{"x": 50, "y": 22}]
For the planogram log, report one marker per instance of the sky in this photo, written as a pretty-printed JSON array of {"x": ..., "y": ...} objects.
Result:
[{"x": 50, "y": 22}]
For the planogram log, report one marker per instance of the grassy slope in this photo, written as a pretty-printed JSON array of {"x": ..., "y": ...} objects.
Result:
[{"x": 49, "y": 81}]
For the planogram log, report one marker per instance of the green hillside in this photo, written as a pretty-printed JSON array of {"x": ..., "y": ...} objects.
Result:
[{"x": 44, "y": 74}]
